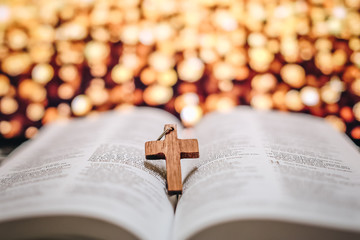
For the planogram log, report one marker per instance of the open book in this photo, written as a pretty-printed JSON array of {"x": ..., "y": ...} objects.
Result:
[{"x": 260, "y": 175}]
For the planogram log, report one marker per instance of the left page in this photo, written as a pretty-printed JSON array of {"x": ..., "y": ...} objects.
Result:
[{"x": 93, "y": 167}]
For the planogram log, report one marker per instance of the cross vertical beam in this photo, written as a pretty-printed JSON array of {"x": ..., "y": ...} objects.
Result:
[{"x": 172, "y": 150}]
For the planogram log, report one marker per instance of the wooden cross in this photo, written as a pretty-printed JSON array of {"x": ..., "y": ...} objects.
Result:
[{"x": 172, "y": 150}]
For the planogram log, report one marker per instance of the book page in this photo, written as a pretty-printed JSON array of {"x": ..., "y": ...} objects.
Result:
[
  {"x": 267, "y": 165},
  {"x": 92, "y": 167}
]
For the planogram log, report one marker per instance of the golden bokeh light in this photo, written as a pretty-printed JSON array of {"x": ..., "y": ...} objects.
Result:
[
  {"x": 121, "y": 74},
  {"x": 81, "y": 105},
  {"x": 68, "y": 73},
  {"x": 157, "y": 95},
  {"x": 191, "y": 69},
  {"x": 355, "y": 133},
  {"x": 97, "y": 93},
  {"x": 96, "y": 51},
  {"x": 346, "y": 113},
  {"x": 355, "y": 87},
  {"x": 35, "y": 111},
  {"x": 51, "y": 114},
  {"x": 336, "y": 122},
  {"x": 356, "y": 110},
  {"x": 161, "y": 61},
  {"x": 17, "y": 39},
  {"x": 310, "y": 96},
  {"x": 224, "y": 71},
  {"x": 66, "y": 91},
  {"x": 8, "y": 105},
  {"x": 329, "y": 95},
  {"x": 167, "y": 78},
  {"x": 293, "y": 74},
  {"x": 59, "y": 61},
  {"x": 190, "y": 115},
  {"x": 64, "y": 110},
  {"x": 293, "y": 100},
  {"x": 16, "y": 63},
  {"x": 4, "y": 85},
  {"x": 31, "y": 132},
  {"x": 42, "y": 73},
  {"x": 262, "y": 101},
  {"x": 225, "y": 104},
  {"x": 5, "y": 128},
  {"x": 187, "y": 99},
  {"x": 264, "y": 82}
]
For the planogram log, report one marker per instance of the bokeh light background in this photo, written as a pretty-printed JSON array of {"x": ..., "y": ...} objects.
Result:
[{"x": 63, "y": 59}]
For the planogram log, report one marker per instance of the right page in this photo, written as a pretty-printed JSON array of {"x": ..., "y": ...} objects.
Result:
[{"x": 270, "y": 166}]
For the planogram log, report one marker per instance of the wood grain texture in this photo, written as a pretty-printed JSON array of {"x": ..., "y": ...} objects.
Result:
[{"x": 172, "y": 150}]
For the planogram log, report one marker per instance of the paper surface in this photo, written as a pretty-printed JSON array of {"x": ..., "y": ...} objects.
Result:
[
  {"x": 93, "y": 167},
  {"x": 253, "y": 165},
  {"x": 256, "y": 165}
]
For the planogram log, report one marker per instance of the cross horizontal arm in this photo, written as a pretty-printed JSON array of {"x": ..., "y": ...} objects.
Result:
[
  {"x": 154, "y": 150},
  {"x": 189, "y": 148}
]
